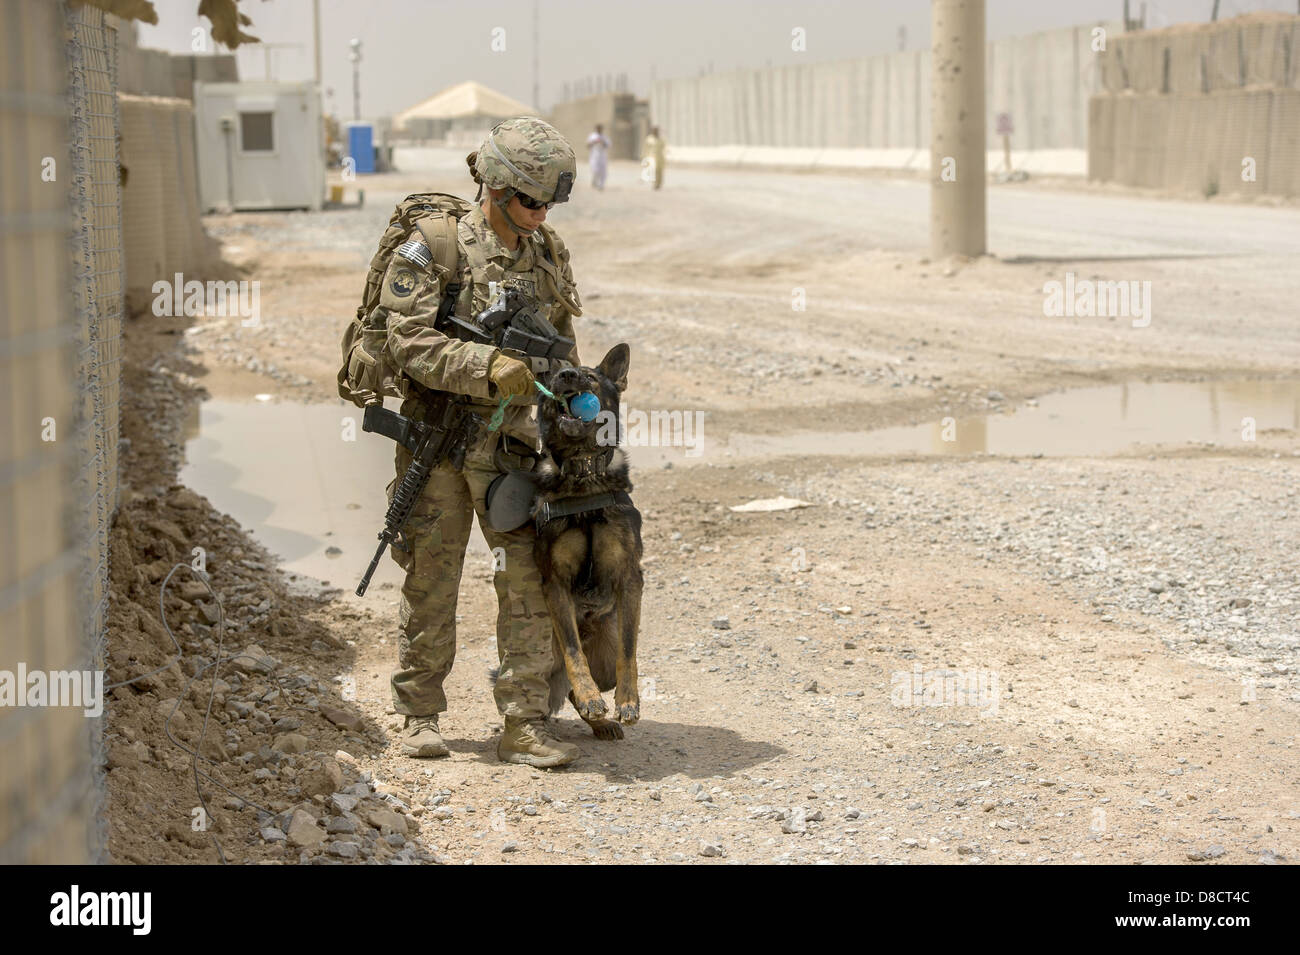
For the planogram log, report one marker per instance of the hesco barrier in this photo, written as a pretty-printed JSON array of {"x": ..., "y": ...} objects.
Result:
[
  {"x": 1259, "y": 49},
  {"x": 161, "y": 228},
  {"x": 1208, "y": 109},
  {"x": 60, "y": 356}
]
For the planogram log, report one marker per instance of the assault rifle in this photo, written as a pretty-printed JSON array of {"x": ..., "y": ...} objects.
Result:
[
  {"x": 429, "y": 444},
  {"x": 512, "y": 324}
]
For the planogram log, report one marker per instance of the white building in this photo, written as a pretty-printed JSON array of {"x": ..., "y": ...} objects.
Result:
[{"x": 260, "y": 145}]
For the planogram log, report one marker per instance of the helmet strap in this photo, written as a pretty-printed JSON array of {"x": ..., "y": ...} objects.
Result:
[{"x": 501, "y": 205}]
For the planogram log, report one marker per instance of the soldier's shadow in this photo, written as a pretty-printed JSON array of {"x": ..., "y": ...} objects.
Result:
[{"x": 650, "y": 751}]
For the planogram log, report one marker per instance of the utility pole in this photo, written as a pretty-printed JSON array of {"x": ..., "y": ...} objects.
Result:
[
  {"x": 958, "y": 194},
  {"x": 537, "y": 95},
  {"x": 355, "y": 57},
  {"x": 315, "y": 29}
]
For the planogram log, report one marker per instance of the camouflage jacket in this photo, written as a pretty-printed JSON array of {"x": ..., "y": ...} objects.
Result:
[{"x": 444, "y": 363}]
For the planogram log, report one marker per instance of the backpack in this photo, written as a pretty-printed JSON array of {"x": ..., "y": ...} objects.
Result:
[{"x": 367, "y": 375}]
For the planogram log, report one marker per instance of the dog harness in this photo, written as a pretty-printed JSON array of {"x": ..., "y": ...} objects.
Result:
[
  {"x": 577, "y": 505},
  {"x": 584, "y": 465}
]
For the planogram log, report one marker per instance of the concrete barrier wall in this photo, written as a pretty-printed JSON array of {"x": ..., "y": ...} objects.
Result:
[
  {"x": 1044, "y": 81},
  {"x": 1055, "y": 162},
  {"x": 620, "y": 113},
  {"x": 876, "y": 110}
]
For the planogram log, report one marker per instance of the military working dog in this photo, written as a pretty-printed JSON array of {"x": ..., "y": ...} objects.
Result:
[{"x": 588, "y": 547}]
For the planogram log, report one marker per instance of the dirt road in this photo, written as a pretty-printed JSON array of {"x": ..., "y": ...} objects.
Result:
[{"x": 948, "y": 656}]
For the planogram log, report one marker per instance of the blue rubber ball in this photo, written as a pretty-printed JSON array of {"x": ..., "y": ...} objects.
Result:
[{"x": 584, "y": 406}]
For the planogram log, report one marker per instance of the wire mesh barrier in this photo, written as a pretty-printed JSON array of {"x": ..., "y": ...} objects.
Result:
[
  {"x": 60, "y": 356},
  {"x": 1255, "y": 51},
  {"x": 1201, "y": 108},
  {"x": 97, "y": 244}
]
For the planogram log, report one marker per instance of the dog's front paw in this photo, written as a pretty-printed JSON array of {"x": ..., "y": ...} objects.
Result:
[
  {"x": 629, "y": 713},
  {"x": 606, "y": 729},
  {"x": 590, "y": 709}
]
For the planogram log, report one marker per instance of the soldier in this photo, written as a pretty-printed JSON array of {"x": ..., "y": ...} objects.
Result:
[{"x": 525, "y": 166}]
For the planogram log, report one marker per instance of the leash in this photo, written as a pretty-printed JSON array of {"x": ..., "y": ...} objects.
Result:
[{"x": 500, "y": 414}]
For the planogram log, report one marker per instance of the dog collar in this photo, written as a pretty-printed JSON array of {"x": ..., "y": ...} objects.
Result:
[{"x": 591, "y": 464}]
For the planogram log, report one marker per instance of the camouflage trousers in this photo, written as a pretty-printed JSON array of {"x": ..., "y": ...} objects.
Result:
[{"x": 437, "y": 535}]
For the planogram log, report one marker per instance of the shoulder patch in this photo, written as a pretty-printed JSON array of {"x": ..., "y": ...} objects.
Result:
[
  {"x": 402, "y": 281},
  {"x": 401, "y": 285},
  {"x": 416, "y": 252}
]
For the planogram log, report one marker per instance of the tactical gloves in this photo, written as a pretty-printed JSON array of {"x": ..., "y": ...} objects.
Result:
[{"x": 511, "y": 376}]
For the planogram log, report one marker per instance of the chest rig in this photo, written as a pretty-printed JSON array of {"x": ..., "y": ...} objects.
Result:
[{"x": 541, "y": 285}]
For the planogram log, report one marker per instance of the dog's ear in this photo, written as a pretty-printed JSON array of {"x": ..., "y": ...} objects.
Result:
[{"x": 614, "y": 365}]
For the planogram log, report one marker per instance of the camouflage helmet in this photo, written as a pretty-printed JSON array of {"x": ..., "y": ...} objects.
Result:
[{"x": 528, "y": 155}]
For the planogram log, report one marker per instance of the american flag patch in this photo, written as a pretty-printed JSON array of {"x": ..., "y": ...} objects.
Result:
[{"x": 415, "y": 252}]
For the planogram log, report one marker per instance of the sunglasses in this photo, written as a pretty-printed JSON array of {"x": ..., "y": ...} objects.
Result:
[{"x": 528, "y": 202}]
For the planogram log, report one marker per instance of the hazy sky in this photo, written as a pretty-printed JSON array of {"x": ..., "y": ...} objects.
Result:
[{"x": 413, "y": 48}]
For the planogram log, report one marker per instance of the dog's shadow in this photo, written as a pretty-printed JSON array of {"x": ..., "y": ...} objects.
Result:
[{"x": 651, "y": 751}]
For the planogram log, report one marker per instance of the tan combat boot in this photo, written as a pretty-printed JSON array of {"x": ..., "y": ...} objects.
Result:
[
  {"x": 420, "y": 737},
  {"x": 527, "y": 742}
]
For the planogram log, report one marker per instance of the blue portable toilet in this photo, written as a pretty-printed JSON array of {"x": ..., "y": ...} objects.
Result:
[{"x": 361, "y": 146}]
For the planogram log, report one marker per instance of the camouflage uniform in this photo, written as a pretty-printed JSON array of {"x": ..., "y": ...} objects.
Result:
[{"x": 439, "y": 528}]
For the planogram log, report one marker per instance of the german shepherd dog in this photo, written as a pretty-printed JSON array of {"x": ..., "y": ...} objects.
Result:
[{"x": 590, "y": 561}]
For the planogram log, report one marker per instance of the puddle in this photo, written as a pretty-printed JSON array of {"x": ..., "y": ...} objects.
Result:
[
  {"x": 1081, "y": 422},
  {"x": 286, "y": 472}
]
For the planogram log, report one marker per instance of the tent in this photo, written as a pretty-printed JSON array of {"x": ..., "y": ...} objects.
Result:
[{"x": 459, "y": 114}]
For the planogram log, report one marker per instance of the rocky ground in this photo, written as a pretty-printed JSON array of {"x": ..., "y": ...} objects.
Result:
[
  {"x": 264, "y": 734},
  {"x": 970, "y": 659}
]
